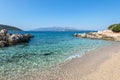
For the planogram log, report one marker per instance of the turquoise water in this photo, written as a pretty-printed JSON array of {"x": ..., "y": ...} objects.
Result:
[{"x": 46, "y": 50}]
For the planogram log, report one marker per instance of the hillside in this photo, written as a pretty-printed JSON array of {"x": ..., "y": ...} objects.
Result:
[{"x": 10, "y": 28}]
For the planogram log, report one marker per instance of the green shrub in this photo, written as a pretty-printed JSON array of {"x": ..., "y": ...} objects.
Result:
[
  {"x": 2, "y": 26},
  {"x": 114, "y": 27},
  {"x": 111, "y": 26}
]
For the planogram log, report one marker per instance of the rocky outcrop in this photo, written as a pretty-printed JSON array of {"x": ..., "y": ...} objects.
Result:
[
  {"x": 7, "y": 39},
  {"x": 105, "y": 35}
]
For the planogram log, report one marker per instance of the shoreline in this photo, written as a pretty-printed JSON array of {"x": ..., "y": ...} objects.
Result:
[
  {"x": 87, "y": 66},
  {"x": 81, "y": 68}
]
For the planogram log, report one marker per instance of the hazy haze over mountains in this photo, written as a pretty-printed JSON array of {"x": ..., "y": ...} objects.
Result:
[{"x": 55, "y": 28}]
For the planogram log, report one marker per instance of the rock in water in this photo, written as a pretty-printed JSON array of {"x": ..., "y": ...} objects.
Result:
[
  {"x": 105, "y": 35},
  {"x": 49, "y": 53},
  {"x": 12, "y": 39},
  {"x": 3, "y": 32},
  {"x": 3, "y": 44}
]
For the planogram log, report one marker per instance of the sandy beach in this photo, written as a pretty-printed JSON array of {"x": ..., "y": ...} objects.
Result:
[
  {"x": 100, "y": 64},
  {"x": 59, "y": 40}
]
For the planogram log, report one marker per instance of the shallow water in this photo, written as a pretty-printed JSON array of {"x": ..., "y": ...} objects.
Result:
[{"x": 46, "y": 50}]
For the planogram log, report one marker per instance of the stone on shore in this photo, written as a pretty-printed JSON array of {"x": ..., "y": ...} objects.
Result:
[{"x": 105, "y": 35}]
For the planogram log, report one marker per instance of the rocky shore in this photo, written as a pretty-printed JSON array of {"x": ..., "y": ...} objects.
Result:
[
  {"x": 7, "y": 39},
  {"x": 105, "y": 35}
]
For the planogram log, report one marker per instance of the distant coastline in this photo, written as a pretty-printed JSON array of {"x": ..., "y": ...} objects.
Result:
[
  {"x": 9, "y": 28},
  {"x": 59, "y": 29}
]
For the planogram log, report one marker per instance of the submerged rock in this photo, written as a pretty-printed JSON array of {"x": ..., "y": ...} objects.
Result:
[
  {"x": 105, "y": 35},
  {"x": 12, "y": 39},
  {"x": 49, "y": 53}
]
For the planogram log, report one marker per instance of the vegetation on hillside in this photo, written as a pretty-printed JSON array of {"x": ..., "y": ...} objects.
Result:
[
  {"x": 114, "y": 27},
  {"x": 10, "y": 28}
]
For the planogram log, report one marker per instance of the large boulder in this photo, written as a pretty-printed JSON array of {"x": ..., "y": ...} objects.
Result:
[
  {"x": 3, "y": 32},
  {"x": 3, "y": 44},
  {"x": 84, "y": 35},
  {"x": 12, "y": 39},
  {"x": 19, "y": 38}
]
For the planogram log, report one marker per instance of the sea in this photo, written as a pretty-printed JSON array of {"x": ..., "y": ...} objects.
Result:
[{"x": 46, "y": 50}]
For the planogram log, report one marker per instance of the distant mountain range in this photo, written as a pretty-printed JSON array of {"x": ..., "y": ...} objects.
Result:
[
  {"x": 10, "y": 28},
  {"x": 56, "y": 29}
]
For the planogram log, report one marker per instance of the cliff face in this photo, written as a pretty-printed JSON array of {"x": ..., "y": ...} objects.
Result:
[{"x": 105, "y": 35}]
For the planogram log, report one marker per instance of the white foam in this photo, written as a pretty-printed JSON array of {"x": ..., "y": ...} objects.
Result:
[{"x": 73, "y": 56}]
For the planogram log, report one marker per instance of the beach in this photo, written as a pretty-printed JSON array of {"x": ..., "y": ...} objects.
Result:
[
  {"x": 59, "y": 40},
  {"x": 60, "y": 57},
  {"x": 100, "y": 64}
]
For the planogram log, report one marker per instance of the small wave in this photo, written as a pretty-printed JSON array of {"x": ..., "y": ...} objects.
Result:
[{"x": 73, "y": 56}]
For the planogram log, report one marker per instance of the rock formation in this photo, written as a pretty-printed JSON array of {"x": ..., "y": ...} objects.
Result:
[
  {"x": 105, "y": 35},
  {"x": 7, "y": 39}
]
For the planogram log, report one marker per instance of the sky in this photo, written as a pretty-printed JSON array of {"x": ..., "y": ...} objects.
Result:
[{"x": 79, "y": 14}]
